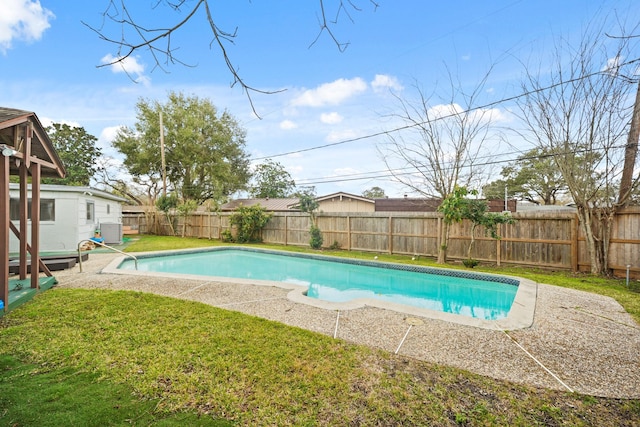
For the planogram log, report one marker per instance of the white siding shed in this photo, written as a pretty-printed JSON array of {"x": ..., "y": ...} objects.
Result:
[{"x": 70, "y": 214}]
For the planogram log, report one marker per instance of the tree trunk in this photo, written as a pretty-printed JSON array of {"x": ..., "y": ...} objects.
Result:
[
  {"x": 444, "y": 241},
  {"x": 596, "y": 225},
  {"x": 630, "y": 153},
  {"x": 473, "y": 240}
]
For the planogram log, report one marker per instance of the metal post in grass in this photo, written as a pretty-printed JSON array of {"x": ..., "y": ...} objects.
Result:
[{"x": 628, "y": 267}]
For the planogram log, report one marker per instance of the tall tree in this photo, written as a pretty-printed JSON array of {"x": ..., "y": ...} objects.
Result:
[
  {"x": 374, "y": 193},
  {"x": 444, "y": 136},
  {"x": 270, "y": 179},
  {"x": 77, "y": 150},
  {"x": 579, "y": 112},
  {"x": 533, "y": 177},
  {"x": 205, "y": 150}
]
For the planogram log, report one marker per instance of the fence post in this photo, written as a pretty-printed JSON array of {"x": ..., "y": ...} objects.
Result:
[
  {"x": 348, "y": 232},
  {"x": 439, "y": 236},
  {"x": 286, "y": 229},
  {"x": 574, "y": 245},
  {"x": 499, "y": 245},
  {"x": 390, "y": 235}
]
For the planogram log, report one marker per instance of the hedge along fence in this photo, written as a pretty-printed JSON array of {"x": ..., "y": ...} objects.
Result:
[{"x": 540, "y": 239}]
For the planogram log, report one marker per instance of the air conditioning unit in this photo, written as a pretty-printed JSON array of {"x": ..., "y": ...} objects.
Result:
[{"x": 111, "y": 233}]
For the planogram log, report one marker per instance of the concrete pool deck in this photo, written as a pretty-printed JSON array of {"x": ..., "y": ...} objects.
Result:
[{"x": 578, "y": 341}]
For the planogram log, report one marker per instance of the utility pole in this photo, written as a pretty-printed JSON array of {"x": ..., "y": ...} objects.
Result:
[
  {"x": 506, "y": 195},
  {"x": 164, "y": 166},
  {"x": 630, "y": 153}
]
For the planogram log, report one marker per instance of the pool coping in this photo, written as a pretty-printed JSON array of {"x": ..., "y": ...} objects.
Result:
[{"x": 520, "y": 316}]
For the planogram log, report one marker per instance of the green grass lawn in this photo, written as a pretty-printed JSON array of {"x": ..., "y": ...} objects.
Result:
[{"x": 97, "y": 357}]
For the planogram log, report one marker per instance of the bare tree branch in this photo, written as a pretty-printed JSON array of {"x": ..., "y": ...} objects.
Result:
[
  {"x": 158, "y": 42},
  {"x": 446, "y": 136},
  {"x": 585, "y": 116}
]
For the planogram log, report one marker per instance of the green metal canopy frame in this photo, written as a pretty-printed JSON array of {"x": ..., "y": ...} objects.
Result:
[{"x": 27, "y": 152}]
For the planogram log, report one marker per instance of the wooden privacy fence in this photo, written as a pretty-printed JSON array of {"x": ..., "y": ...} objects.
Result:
[{"x": 540, "y": 239}]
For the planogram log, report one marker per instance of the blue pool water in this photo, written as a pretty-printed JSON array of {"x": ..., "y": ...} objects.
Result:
[{"x": 479, "y": 296}]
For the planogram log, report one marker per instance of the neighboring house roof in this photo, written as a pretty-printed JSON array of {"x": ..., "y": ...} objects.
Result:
[
  {"x": 137, "y": 208},
  {"x": 532, "y": 207},
  {"x": 497, "y": 205},
  {"x": 87, "y": 191},
  {"x": 339, "y": 195},
  {"x": 407, "y": 204},
  {"x": 272, "y": 205},
  {"x": 13, "y": 132}
]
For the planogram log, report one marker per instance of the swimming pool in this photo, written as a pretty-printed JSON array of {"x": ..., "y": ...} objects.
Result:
[{"x": 346, "y": 283}]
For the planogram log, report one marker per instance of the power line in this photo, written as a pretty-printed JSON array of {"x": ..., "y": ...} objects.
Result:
[
  {"x": 398, "y": 171},
  {"x": 420, "y": 45},
  {"x": 428, "y": 121}
]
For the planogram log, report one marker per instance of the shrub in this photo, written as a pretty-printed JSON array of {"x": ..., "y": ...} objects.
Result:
[
  {"x": 167, "y": 204},
  {"x": 470, "y": 262},
  {"x": 249, "y": 221},
  {"x": 316, "y": 237},
  {"x": 227, "y": 236}
]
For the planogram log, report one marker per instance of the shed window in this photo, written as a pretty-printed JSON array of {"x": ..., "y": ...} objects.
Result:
[
  {"x": 47, "y": 209},
  {"x": 91, "y": 211}
]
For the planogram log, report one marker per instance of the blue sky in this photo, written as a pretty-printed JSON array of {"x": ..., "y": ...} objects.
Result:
[{"x": 49, "y": 64}]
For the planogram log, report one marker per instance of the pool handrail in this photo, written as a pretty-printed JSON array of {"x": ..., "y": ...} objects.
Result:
[{"x": 135, "y": 260}]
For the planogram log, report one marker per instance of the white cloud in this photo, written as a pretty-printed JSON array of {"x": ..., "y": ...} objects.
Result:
[
  {"x": 342, "y": 135},
  {"x": 331, "y": 118},
  {"x": 492, "y": 115},
  {"x": 295, "y": 169},
  {"x": 382, "y": 82},
  {"x": 333, "y": 93},
  {"x": 287, "y": 125},
  {"x": 128, "y": 65},
  {"x": 613, "y": 65},
  {"x": 444, "y": 110},
  {"x": 341, "y": 172},
  {"x": 22, "y": 20},
  {"x": 108, "y": 134},
  {"x": 145, "y": 80},
  {"x": 345, "y": 171},
  {"x": 46, "y": 121}
]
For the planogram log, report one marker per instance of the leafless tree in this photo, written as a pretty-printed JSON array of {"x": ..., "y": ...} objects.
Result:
[
  {"x": 579, "y": 110},
  {"x": 139, "y": 192},
  {"x": 132, "y": 37},
  {"x": 442, "y": 139}
]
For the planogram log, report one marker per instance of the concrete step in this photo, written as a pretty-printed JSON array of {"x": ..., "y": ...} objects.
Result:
[
  {"x": 126, "y": 229},
  {"x": 56, "y": 264}
]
